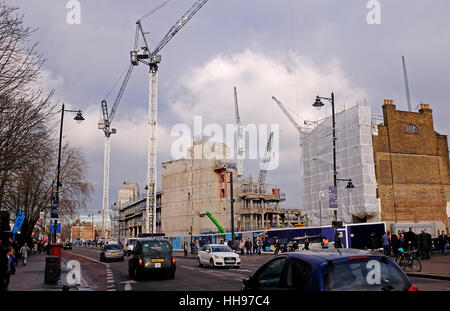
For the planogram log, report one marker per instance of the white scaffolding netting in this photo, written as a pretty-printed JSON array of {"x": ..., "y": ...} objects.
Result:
[{"x": 354, "y": 159}]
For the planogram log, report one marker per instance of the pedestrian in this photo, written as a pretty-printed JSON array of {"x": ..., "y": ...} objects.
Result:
[
  {"x": 324, "y": 242},
  {"x": 10, "y": 264},
  {"x": 24, "y": 252},
  {"x": 248, "y": 246},
  {"x": 338, "y": 242},
  {"x": 277, "y": 246},
  {"x": 192, "y": 247},
  {"x": 373, "y": 243},
  {"x": 241, "y": 246},
  {"x": 258, "y": 245},
  {"x": 3, "y": 266},
  {"x": 411, "y": 240},
  {"x": 386, "y": 243},
  {"x": 443, "y": 243},
  {"x": 306, "y": 245},
  {"x": 425, "y": 244},
  {"x": 395, "y": 243}
]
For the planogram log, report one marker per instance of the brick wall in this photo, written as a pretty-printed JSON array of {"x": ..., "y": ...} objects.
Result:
[{"x": 412, "y": 168}]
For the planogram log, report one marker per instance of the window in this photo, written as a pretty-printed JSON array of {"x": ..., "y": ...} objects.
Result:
[
  {"x": 297, "y": 274},
  {"x": 412, "y": 129},
  {"x": 270, "y": 274}
]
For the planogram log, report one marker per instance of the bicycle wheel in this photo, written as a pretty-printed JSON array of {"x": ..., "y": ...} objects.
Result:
[{"x": 417, "y": 265}]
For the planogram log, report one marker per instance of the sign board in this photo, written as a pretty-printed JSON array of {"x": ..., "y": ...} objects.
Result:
[
  {"x": 333, "y": 198},
  {"x": 54, "y": 206}
]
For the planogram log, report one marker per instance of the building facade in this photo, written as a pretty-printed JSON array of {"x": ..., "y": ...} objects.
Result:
[
  {"x": 412, "y": 169},
  {"x": 82, "y": 230}
]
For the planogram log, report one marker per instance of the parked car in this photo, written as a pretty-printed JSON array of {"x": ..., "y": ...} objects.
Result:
[
  {"x": 112, "y": 252},
  {"x": 128, "y": 246},
  {"x": 67, "y": 245},
  {"x": 151, "y": 255},
  {"x": 330, "y": 270},
  {"x": 216, "y": 255}
]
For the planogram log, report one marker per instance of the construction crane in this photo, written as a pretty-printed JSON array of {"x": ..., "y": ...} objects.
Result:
[
  {"x": 152, "y": 59},
  {"x": 241, "y": 148},
  {"x": 266, "y": 160},
  {"x": 105, "y": 125},
  {"x": 288, "y": 115}
]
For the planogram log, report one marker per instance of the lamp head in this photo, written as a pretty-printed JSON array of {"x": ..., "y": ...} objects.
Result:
[
  {"x": 350, "y": 185},
  {"x": 318, "y": 103},
  {"x": 79, "y": 117}
]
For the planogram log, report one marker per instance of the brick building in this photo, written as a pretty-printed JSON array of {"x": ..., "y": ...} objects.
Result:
[
  {"x": 82, "y": 230},
  {"x": 412, "y": 170}
]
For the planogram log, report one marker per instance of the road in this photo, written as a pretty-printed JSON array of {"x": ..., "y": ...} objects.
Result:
[
  {"x": 188, "y": 276},
  {"x": 113, "y": 276}
]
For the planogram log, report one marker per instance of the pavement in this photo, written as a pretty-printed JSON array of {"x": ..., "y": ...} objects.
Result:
[
  {"x": 31, "y": 276},
  {"x": 438, "y": 267}
]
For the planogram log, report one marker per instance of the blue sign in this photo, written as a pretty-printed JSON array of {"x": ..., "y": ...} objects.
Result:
[
  {"x": 18, "y": 224},
  {"x": 58, "y": 228},
  {"x": 52, "y": 231},
  {"x": 333, "y": 198}
]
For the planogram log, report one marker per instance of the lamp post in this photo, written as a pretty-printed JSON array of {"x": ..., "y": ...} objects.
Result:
[
  {"x": 55, "y": 205},
  {"x": 318, "y": 104}
]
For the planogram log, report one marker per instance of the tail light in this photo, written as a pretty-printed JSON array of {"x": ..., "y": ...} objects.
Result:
[
  {"x": 173, "y": 260},
  {"x": 413, "y": 288},
  {"x": 140, "y": 261}
]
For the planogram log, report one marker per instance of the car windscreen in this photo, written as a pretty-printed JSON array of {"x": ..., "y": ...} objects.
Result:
[
  {"x": 112, "y": 247},
  {"x": 155, "y": 247},
  {"x": 224, "y": 249},
  {"x": 364, "y": 274},
  {"x": 131, "y": 241}
]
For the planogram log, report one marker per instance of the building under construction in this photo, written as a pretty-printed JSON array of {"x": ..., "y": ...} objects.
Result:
[{"x": 201, "y": 183}]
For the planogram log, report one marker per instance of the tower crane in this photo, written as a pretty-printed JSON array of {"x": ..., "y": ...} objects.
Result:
[
  {"x": 266, "y": 160},
  {"x": 288, "y": 115},
  {"x": 105, "y": 125},
  {"x": 152, "y": 59},
  {"x": 241, "y": 148}
]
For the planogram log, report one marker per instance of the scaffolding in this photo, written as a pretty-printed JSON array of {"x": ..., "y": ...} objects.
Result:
[{"x": 354, "y": 160}]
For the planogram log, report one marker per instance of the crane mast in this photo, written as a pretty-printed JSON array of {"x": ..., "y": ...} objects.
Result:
[
  {"x": 105, "y": 125},
  {"x": 266, "y": 160},
  {"x": 241, "y": 148},
  {"x": 152, "y": 59}
]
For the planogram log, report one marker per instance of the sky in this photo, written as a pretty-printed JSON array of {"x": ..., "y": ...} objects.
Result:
[{"x": 290, "y": 49}]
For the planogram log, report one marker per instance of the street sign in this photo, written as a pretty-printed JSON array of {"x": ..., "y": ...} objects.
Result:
[
  {"x": 58, "y": 228},
  {"x": 54, "y": 208},
  {"x": 333, "y": 203}
]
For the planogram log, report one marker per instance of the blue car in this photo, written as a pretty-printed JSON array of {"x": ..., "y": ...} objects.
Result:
[{"x": 330, "y": 270}]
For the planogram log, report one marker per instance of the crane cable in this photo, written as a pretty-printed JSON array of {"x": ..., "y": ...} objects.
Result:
[{"x": 154, "y": 10}]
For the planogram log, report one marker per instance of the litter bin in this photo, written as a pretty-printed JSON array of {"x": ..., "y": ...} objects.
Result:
[
  {"x": 52, "y": 269},
  {"x": 56, "y": 250}
]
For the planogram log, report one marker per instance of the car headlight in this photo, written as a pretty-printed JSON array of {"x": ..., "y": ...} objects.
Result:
[{"x": 217, "y": 256}]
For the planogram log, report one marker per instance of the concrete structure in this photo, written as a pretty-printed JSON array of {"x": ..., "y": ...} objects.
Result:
[
  {"x": 130, "y": 220},
  {"x": 354, "y": 159},
  {"x": 190, "y": 187},
  {"x": 412, "y": 169}
]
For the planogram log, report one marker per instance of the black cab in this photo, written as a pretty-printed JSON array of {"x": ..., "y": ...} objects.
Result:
[{"x": 151, "y": 255}]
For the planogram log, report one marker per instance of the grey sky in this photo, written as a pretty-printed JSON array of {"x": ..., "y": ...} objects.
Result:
[{"x": 308, "y": 48}]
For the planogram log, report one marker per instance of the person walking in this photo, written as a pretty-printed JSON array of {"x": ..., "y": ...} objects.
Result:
[
  {"x": 248, "y": 246},
  {"x": 277, "y": 246},
  {"x": 258, "y": 245},
  {"x": 3, "y": 266},
  {"x": 11, "y": 268},
  {"x": 386, "y": 243},
  {"x": 24, "y": 252},
  {"x": 338, "y": 242},
  {"x": 395, "y": 243},
  {"x": 373, "y": 243},
  {"x": 241, "y": 246},
  {"x": 443, "y": 243},
  {"x": 425, "y": 244},
  {"x": 411, "y": 240}
]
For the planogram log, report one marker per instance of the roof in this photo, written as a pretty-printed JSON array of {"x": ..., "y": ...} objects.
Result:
[{"x": 316, "y": 257}]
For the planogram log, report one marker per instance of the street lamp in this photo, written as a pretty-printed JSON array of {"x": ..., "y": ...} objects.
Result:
[
  {"x": 55, "y": 203},
  {"x": 318, "y": 104}
]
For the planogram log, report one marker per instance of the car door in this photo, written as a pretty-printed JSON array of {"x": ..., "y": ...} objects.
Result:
[
  {"x": 298, "y": 275},
  {"x": 270, "y": 276}
]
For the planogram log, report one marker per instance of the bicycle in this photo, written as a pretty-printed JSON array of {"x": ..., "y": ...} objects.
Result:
[{"x": 409, "y": 260}]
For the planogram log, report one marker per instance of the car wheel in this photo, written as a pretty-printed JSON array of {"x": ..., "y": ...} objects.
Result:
[
  {"x": 101, "y": 259},
  {"x": 211, "y": 263},
  {"x": 122, "y": 259},
  {"x": 171, "y": 275},
  {"x": 199, "y": 263},
  {"x": 137, "y": 275}
]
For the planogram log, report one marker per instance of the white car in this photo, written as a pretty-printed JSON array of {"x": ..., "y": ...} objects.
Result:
[{"x": 218, "y": 255}]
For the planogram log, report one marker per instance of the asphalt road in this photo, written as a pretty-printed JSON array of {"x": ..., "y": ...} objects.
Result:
[{"x": 188, "y": 276}]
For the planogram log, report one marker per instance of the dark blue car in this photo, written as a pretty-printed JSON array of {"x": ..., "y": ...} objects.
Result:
[{"x": 330, "y": 270}]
